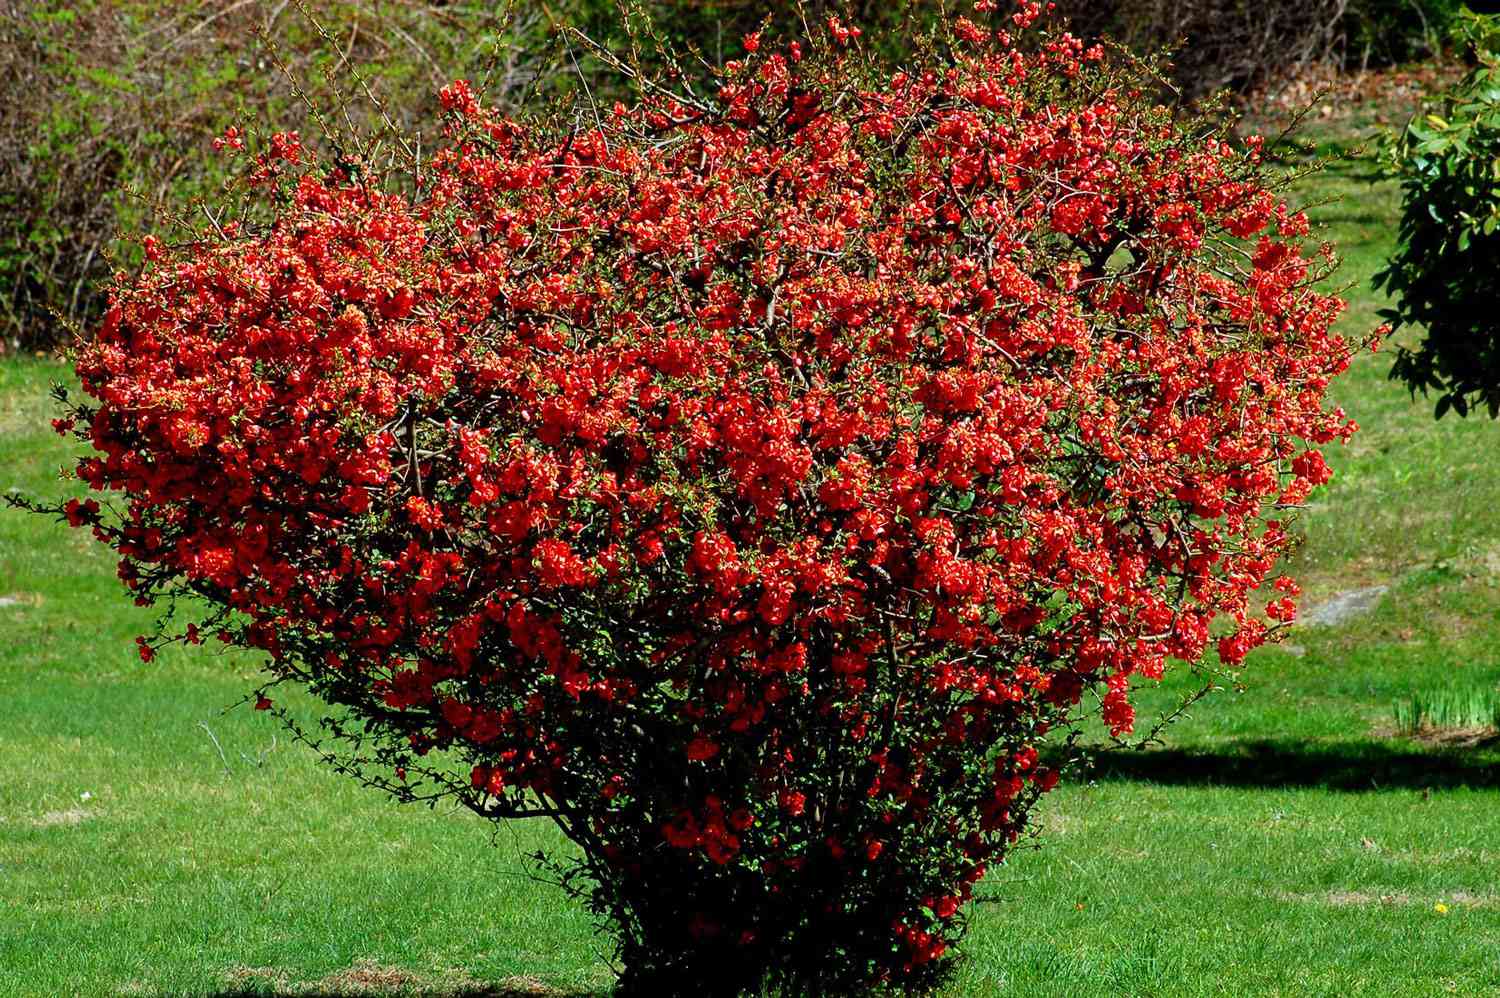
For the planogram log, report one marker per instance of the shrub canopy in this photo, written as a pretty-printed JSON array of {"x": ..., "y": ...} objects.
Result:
[{"x": 749, "y": 482}]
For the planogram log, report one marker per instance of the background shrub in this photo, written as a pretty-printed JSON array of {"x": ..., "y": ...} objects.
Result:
[
  {"x": 110, "y": 106},
  {"x": 1241, "y": 44},
  {"x": 1390, "y": 32},
  {"x": 1442, "y": 277},
  {"x": 1221, "y": 44}
]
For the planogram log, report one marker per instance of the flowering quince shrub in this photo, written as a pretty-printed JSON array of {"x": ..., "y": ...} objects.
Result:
[{"x": 748, "y": 483}]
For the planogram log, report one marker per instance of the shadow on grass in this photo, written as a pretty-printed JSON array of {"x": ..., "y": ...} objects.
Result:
[{"x": 1347, "y": 765}]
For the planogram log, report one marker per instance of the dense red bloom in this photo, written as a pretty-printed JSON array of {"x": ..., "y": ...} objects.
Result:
[
  {"x": 752, "y": 483},
  {"x": 78, "y": 513},
  {"x": 702, "y": 749}
]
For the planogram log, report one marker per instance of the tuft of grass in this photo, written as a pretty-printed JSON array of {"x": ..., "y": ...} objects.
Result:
[{"x": 1453, "y": 708}]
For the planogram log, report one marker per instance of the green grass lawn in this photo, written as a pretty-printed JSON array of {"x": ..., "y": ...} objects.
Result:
[{"x": 1281, "y": 842}]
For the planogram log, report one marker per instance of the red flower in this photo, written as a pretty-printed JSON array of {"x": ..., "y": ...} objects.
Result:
[
  {"x": 701, "y": 749},
  {"x": 79, "y": 513}
]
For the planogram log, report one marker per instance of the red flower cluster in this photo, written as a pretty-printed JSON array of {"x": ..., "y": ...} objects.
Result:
[{"x": 750, "y": 484}]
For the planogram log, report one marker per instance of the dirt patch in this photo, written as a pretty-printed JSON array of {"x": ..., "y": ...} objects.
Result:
[
  {"x": 515, "y": 987},
  {"x": 1467, "y": 900},
  {"x": 1392, "y": 94},
  {"x": 240, "y": 977},
  {"x": 1053, "y": 823},
  {"x": 1479, "y": 736},
  {"x": 1395, "y": 899},
  {"x": 1444, "y": 857},
  {"x": 1350, "y": 899},
  {"x": 369, "y": 978},
  {"x": 1346, "y": 899},
  {"x": 53, "y": 819}
]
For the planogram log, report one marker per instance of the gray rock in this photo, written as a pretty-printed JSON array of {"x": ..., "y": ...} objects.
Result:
[{"x": 1344, "y": 606}]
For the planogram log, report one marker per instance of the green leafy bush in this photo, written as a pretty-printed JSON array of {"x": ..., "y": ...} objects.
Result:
[
  {"x": 1442, "y": 275},
  {"x": 1388, "y": 32}
]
